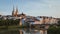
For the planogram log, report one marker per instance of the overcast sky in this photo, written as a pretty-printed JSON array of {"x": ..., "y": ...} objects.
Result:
[{"x": 31, "y": 7}]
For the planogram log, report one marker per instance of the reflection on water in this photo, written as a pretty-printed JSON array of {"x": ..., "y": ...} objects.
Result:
[
  {"x": 21, "y": 31},
  {"x": 11, "y": 31}
]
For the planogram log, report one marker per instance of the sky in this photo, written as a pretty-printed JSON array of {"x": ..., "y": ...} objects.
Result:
[{"x": 31, "y": 7}]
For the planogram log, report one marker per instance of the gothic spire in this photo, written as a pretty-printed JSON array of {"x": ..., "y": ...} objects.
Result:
[
  {"x": 16, "y": 12},
  {"x": 16, "y": 9},
  {"x": 13, "y": 11}
]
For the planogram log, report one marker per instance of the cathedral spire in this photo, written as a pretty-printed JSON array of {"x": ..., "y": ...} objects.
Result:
[
  {"x": 13, "y": 11},
  {"x": 16, "y": 8},
  {"x": 16, "y": 12}
]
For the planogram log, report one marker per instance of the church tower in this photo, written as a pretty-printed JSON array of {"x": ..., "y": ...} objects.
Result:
[
  {"x": 13, "y": 11},
  {"x": 16, "y": 12}
]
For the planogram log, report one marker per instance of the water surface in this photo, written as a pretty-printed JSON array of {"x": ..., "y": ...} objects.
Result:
[{"x": 20, "y": 31}]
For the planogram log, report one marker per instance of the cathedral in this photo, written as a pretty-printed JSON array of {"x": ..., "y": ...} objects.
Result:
[{"x": 15, "y": 13}]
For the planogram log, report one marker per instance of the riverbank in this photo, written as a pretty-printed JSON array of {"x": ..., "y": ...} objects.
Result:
[{"x": 10, "y": 27}]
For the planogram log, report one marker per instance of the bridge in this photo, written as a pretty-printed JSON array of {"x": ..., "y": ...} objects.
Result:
[{"x": 43, "y": 27}]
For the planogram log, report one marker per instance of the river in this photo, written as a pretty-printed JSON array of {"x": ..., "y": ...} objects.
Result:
[{"x": 21, "y": 31}]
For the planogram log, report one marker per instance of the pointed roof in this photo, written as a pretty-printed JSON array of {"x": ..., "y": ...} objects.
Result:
[
  {"x": 16, "y": 9},
  {"x": 13, "y": 10},
  {"x": 22, "y": 14}
]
